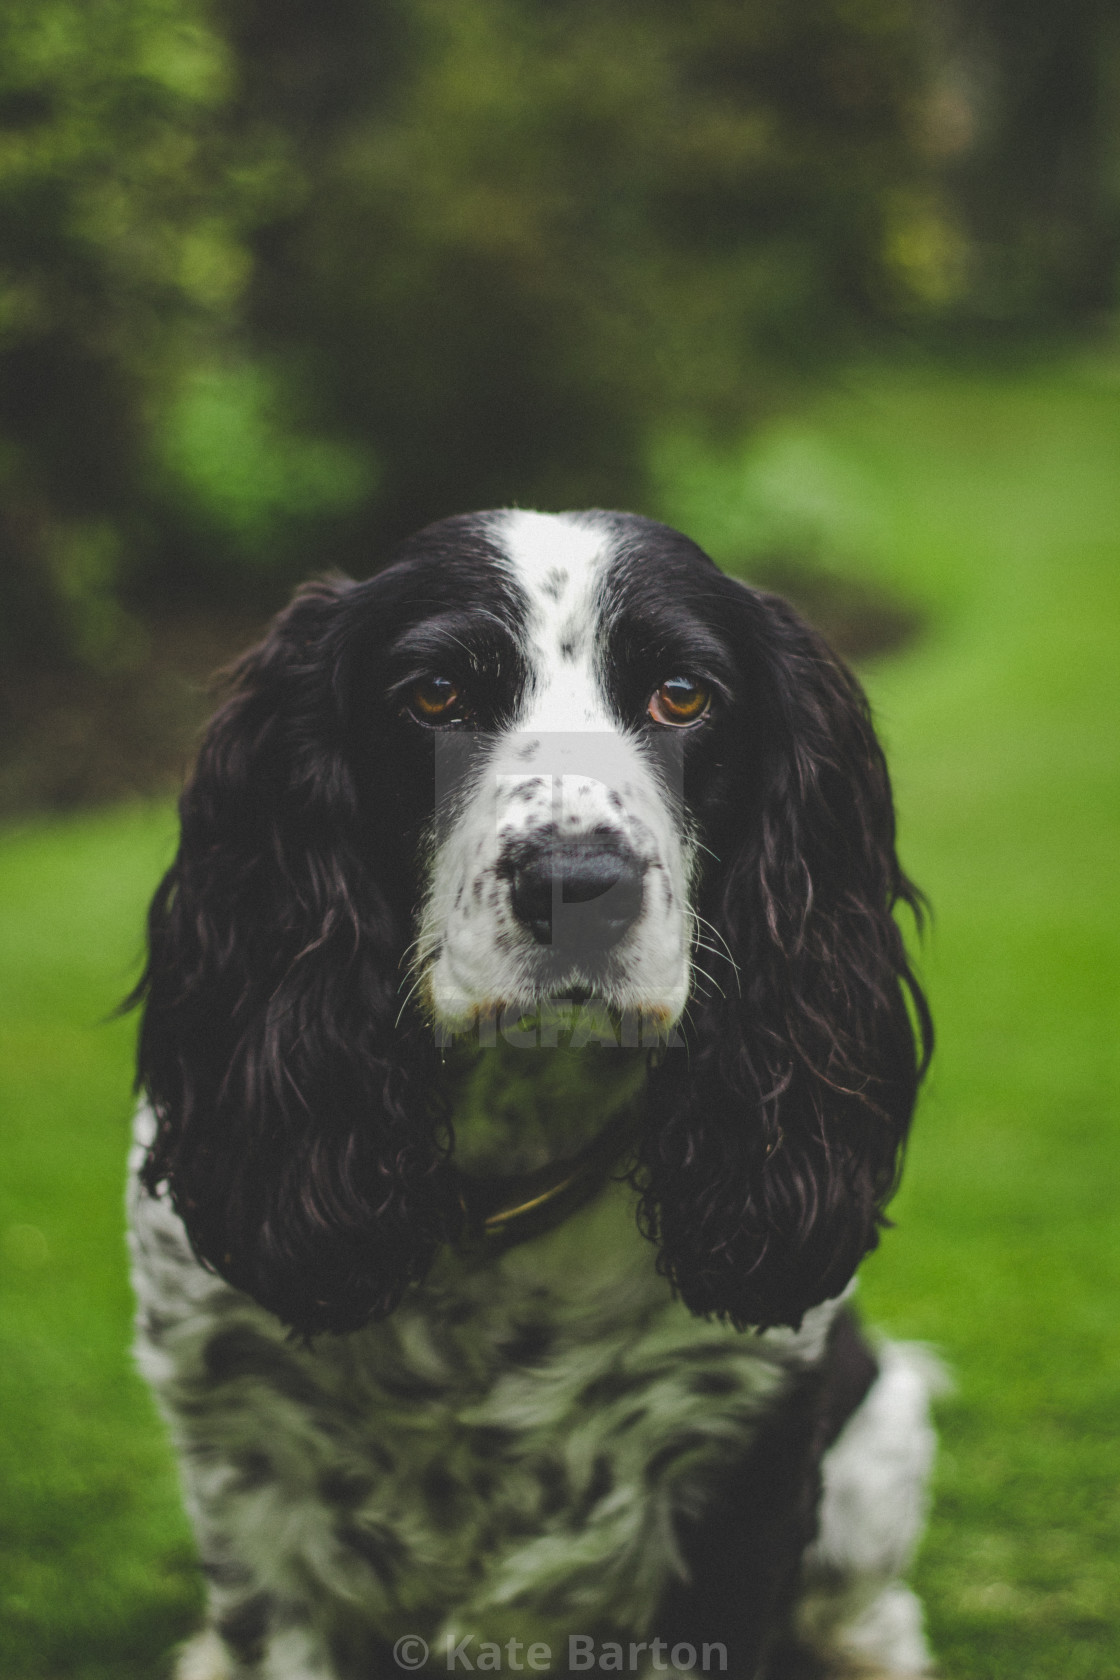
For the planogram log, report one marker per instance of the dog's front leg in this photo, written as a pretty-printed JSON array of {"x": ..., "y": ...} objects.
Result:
[{"x": 855, "y": 1612}]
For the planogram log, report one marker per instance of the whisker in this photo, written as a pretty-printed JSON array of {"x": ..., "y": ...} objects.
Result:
[
  {"x": 702, "y": 921},
  {"x": 696, "y": 969},
  {"x": 409, "y": 995},
  {"x": 712, "y": 928},
  {"x": 414, "y": 945},
  {"x": 699, "y": 944}
]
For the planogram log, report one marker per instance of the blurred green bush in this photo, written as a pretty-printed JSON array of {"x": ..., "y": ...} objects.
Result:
[{"x": 279, "y": 281}]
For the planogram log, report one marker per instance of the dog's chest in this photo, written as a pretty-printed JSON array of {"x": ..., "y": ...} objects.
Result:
[{"x": 525, "y": 1429}]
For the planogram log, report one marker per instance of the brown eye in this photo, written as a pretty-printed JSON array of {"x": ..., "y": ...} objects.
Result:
[
  {"x": 679, "y": 701},
  {"x": 436, "y": 700}
]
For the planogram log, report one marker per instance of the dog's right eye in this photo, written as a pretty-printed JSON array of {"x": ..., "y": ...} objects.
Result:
[{"x": 436, "y": 700}]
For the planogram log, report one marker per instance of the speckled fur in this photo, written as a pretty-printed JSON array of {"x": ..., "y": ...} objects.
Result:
[{"x": 516, "y": 1443}]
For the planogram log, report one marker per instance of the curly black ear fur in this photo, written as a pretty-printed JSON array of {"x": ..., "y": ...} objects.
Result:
[
  {"x": 776, "y": 1142},
  {"x": 296, "y": 1128}
]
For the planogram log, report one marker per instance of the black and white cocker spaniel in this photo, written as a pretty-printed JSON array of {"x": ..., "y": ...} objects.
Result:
[{"x": 528, "y": 1050}]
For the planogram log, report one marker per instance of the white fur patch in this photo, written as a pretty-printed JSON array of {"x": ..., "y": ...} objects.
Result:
[
  {"x": 560, "y": 564},
  {"x": 855, "y": 1609}
]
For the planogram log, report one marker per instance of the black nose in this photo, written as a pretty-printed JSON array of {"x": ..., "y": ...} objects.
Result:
[{"x": 581, "y": 894}]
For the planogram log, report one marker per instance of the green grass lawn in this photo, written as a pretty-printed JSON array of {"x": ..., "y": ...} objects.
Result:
[{"x": 993, "y": 501}]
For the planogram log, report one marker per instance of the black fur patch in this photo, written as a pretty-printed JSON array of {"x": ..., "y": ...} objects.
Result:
[
  {"x": 379, "y": 1547},
  {"x": 345, "y": 1488},
  {"x": 553, "y": 1480},
  {"x": 688, "y": 1442},
  {"x": 240, "y": 1352},
  {"x": 529, "y": 1344},
  {"x": 714, "y": 1383},
  {"x": 254, "y": 1470},
  {"x": 441, "y": 1490},
  {"x": 244, "y": 1627},
  {"x": 600, "y": 1485},
  {"x": 493, "y": 1442},
  {"x": 613, "y": 1385}
]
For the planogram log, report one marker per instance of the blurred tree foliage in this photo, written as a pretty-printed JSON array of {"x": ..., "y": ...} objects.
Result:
[
  {"x": 532, "y": 226},
  {"x": 280, "y": 280},
  {"x": 120, "y": 232}
]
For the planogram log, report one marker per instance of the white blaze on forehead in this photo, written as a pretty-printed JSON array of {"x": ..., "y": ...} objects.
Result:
[{"x": 560, "y": 565}]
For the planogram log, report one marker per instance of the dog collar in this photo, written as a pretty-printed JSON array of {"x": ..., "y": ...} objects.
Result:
[{"x": 498, "y": 1213}]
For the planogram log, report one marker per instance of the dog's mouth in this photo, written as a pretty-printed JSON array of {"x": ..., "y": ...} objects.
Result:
[{"x": 567, "y": 1006}]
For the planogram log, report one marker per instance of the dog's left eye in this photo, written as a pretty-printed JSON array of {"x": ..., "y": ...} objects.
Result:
[
  {"x": 436, "y": 700},
  {"x": 679, "y": 701}
]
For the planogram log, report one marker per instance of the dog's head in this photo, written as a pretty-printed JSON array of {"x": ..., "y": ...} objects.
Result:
[{"x": 536, "y": 756}]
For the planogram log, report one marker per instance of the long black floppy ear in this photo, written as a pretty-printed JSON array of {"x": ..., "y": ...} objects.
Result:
[
  {"x": 296, "y": 1131},
  {"x": 776, "y": 1142}
]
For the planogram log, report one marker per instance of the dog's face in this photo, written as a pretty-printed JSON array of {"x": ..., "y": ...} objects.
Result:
[
  {"x": 536, "y": 756},
  {"x": 566, "y": 706}
]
